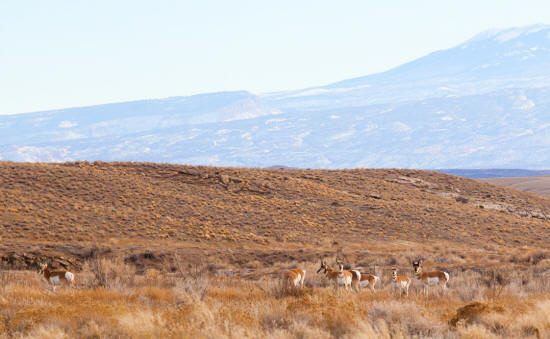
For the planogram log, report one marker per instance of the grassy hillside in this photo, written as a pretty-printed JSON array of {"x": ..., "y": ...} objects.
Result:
[{"x": 145, "y": 212}]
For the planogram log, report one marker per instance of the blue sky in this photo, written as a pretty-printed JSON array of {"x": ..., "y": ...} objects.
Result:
[{"x": 66, "y": 53}]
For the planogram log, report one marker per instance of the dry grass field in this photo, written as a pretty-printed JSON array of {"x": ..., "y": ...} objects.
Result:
[
  {"x": 180, "y": 251},
  {"x": 111, "y": 301}
]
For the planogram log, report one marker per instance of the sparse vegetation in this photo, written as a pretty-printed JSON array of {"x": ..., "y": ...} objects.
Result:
[
  {"x": 182, "y": 251},
  {"x": 164, "y": 304},
  {"x": 145, "y": 212}
]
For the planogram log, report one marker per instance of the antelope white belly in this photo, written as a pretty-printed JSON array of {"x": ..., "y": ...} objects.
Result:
[
  {"x": 54, "y": 280},
  {"x": 433, "y": 281},
  {"x": 401, "y": 284},
  {"x": 297, "y": 280},
  {"x": 344, "y": 281},
  {"x": 364, "y": 283}
]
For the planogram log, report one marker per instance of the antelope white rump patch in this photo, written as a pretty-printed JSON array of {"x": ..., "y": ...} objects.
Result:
[{"x": 69, "y": 276}]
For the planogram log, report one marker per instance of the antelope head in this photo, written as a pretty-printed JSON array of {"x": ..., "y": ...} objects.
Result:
[
  {"x": 340, "y": 265},
  {"x": 394, "y": 274},
  {"x": 416, "y": 266},
  {"x": 323, "y": 267},
  {"x": 42, "y": 268}
]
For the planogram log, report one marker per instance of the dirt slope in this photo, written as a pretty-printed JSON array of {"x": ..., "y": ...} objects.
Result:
[{"x": 145, "y": 211}]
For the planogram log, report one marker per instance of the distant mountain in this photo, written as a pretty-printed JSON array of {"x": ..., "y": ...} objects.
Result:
[
  {"x": 494, "y": 173},
  {"x": 482, "y": 104},
  {"x": 130, "y": 117},
  {"x": 493, "y": 60}
]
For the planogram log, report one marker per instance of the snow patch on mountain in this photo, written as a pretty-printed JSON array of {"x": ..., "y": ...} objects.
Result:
[
  {"x": 401, "y": 126},
  {"x": 507, "y": 34},
  {"x": 67, "y": 124},
  {"x": 343, "y": 135},
  {"x": 270, "y": 121}
]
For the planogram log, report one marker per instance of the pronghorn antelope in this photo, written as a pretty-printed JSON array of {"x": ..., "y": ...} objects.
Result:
[
  {"x": 295, "y": 277},
  {"x": 430, "y": 278},
  {"x": 56, "y": 277},
  {"x": 364, "y": 280},
  {"x": 400, "y": 282},
  {"x": 340, "y": 277},
  {"x": 344, "y": 277}
]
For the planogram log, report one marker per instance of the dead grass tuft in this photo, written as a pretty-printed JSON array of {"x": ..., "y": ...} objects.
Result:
[
  {"x": 110, "y": 273},
  {"x": 192, "y": 281},
  {"x": 468, "y": 313}
]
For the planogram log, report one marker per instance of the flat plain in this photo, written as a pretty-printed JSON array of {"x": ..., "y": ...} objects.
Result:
[{"x": 537, "y": 184}]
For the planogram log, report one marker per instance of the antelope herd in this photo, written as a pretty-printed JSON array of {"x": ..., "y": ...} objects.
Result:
[
  {"x": 355, "y": 279},
  {"x": 294, "y": 278},
  {"x": 337, "y": 278}
]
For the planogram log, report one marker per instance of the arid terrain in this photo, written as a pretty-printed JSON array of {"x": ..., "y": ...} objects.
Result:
[
  {"x": 538, "y": 184},
  {"x": 169, "y": 251},
  {"x": 147, "y": 211}
]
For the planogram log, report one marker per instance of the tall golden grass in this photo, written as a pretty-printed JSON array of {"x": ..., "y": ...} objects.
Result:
[{"x": 110, "y": 300}]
